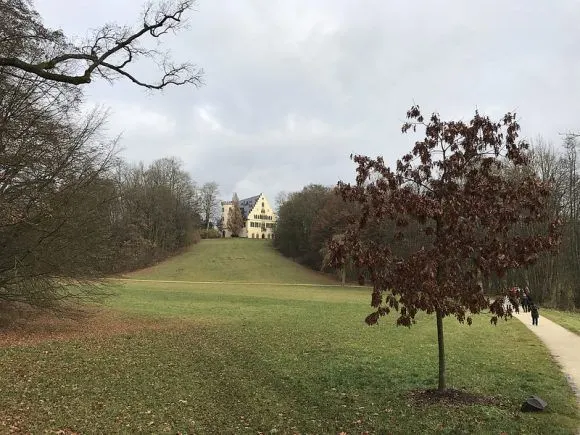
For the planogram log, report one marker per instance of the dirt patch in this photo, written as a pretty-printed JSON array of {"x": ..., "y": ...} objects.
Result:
[
  {"x": 449, "y": 397},
  {"x": 39, "y": 328}
]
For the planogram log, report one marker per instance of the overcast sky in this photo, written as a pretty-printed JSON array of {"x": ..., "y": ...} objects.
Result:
[{"x": 292, "y": 88}]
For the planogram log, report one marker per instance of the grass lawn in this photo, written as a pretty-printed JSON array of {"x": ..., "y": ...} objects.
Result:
[
  {"x": 211, "y": 358},
  {"x": 233, "y": 260},
  {"x": 568, "y": 319}
]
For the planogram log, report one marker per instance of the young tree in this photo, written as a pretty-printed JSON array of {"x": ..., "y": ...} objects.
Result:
[
  {"x": 209, "y": 202},
  {"x": 235, "y": 218},
  {"x": 452, "y": 188},
  {"x": 27, "y": 46}
]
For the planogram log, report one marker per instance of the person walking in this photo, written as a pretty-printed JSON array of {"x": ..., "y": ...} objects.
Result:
[
  {"x": 525, "y": 302},
  {"x": 530, "y": 300},
  {"x": 535, "y": 314}
]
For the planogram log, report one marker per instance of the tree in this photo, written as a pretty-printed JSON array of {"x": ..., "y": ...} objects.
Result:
[
  {"x": 27, "y": 46},
  {"x": 235, "y": 217},
  {"x": 209, "y": 202},
  {"x": 55, "y": 194},
  {"x": 156, "y": 213},
  {"x": 295, "y": 219},
  {"x": 330, "y": 222},
  {"x": 280, "y": 199},
  {"x": 67, "y": 218},
  {"x": 451, "y": 189}
]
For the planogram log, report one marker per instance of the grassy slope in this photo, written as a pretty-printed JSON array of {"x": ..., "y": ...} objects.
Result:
[
  {"x": 568, "y": 319},
  {"x": 232, "y": 260},
  {"x": 249, "y": 359}
]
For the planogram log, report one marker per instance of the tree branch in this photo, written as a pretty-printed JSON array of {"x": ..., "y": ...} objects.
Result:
[{"x": 114, "y": 40}]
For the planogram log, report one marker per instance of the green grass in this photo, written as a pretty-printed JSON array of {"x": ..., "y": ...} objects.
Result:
[
  {"x": 250, "y": 359},
  {"x": 233, "y": 260},
  {"x": 568, "y": 319}
]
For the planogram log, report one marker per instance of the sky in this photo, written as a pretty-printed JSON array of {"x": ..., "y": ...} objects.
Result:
[{"x": 292, "y": 88}]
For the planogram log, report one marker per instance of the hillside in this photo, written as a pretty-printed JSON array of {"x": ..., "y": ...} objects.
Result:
[{"x": 239, "y": 260}]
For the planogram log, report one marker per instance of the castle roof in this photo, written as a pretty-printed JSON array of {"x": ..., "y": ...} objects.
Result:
[{"x": 246, "y": 204}]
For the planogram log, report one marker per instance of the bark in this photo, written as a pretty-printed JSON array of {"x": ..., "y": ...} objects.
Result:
[{"x": 442, "y": 385}]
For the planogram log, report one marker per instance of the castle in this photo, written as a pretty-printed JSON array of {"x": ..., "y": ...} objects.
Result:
[{"x": 259, "y": 218}]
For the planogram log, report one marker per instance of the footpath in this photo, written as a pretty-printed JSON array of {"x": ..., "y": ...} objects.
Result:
[{"x": 562, "y": 344}]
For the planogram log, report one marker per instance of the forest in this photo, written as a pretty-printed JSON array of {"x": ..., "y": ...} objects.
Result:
[
  {"x": 72, "y": 211},
  {"x": 312, "y": 217}
]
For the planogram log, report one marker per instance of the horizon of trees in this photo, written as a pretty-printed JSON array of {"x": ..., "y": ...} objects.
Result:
[{"x": 312, "y": 217}]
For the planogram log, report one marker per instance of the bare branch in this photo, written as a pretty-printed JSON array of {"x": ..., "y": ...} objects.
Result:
[{"x": 110, "y": 42}]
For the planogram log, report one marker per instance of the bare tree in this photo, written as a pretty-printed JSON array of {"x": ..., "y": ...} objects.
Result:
[
  {"x": 32, "y": 48},
  {"x": 70, "y": 213},
  {"x": 155, "y": 215},
  {"x": 281, "y": 198},
  {"x": 54, "y": 194},
  {"x": 209, "y": 203}
]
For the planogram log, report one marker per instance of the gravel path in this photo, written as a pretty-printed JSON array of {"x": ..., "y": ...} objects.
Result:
[
  {"x": 563, "y": 345},
  {"x": 277, "y": 284}
]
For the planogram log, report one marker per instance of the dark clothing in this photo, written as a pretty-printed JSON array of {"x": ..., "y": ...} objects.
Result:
[
  {"x": 525, "y": 303},
  {"x": 535, "y": 315}
]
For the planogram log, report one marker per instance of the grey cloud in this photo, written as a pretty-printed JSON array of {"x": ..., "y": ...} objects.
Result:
[{"x": 347, "y": 71}]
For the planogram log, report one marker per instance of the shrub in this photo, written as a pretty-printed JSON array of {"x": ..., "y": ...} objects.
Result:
[{"x": 212, "y": 233}]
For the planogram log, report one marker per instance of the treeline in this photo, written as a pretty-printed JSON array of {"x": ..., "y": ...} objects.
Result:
[
  {"x": 71, "y": 210},
  {"x": 556, "y": 279},
  {"x": 155, "y": 213},
  {"x": 310, "y": 218}
]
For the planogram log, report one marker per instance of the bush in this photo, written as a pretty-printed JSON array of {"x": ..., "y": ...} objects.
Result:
[{"x": 212, "y": 233}]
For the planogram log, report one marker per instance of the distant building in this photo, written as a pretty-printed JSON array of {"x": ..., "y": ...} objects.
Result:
[{"x": 259, "y": 218}]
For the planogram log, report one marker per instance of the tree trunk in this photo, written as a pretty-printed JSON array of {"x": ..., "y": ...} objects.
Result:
[
  {"x": 343, "y": 274},
  {"x": 442, "y": 382},
  {"x": 440, "y": 342}
]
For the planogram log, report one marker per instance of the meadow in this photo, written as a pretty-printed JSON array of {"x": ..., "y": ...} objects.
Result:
[
  {"x": 568, "y": 319},
  {"x": 255, "y": 355}
]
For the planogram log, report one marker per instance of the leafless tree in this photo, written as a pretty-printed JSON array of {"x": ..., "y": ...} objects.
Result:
[
  {"x": 280, "y": 199},
  {"x": 54, "y": 193},
  {"x": 156, "y": 213},
  {"x": 209, "y": 202},
  {"x": 26, "y": 45},
  {"x": 70, "y": 211}
]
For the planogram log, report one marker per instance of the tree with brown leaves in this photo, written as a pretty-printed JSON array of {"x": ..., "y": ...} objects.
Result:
[
  {"x": 451, "y": 203},
  {"x": 26, "y": 45}
]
